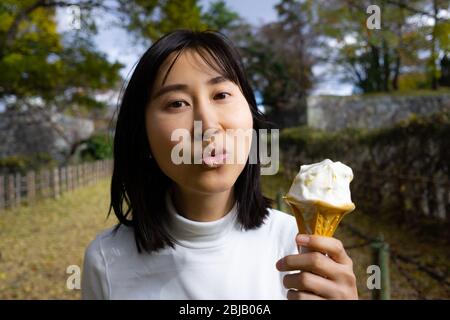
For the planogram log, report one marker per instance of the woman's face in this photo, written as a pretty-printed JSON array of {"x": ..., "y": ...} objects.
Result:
[{"x": 222, "y": 109}]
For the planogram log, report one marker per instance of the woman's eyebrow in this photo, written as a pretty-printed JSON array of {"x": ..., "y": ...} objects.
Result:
[
  {"x": 184, "y": 87},
  {"x": 217, "y": 79}
]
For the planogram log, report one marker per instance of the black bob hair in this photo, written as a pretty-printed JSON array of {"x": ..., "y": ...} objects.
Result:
[{"x": 138, "y": 185}]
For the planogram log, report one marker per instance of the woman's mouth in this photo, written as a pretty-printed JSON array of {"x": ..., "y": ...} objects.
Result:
[{"x": 215, "y": 159}]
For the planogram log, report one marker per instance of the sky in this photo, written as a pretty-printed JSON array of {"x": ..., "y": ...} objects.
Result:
[{"x": 118, "y": 45}]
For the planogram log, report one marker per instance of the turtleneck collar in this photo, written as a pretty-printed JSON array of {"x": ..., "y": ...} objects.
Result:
[{"x": 196, "y": 234}]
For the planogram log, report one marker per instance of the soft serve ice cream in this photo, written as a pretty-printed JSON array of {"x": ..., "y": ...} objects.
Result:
[
  {"x": 326, "y": 181},
  {"x": 320, "y": 196}
]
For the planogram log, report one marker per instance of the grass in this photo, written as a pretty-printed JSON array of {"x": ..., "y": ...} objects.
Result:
[{"x": 39, "y": 242}]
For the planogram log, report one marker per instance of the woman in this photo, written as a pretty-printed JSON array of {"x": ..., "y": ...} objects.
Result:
[{"x": 200, "y": 230}]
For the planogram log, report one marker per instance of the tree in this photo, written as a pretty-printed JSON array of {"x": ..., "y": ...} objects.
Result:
[
  {"x": 375, "y": 59},
  {"x": 445, "y": 71},
  {"x": 44, "y": 71},
  {"x": 150, "y": 19},
  {"x": 440, "y": 40},
  {"x": 220, "y": 17},
  {"x": 280, "y": 64},
  {"x": 39, "y": 64}
]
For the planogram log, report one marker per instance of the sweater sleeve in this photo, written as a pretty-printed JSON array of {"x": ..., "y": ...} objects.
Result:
[{"x": 94, "y": 285}]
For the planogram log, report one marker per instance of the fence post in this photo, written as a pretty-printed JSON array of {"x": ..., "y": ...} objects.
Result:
[
  {"x": 96, "y": 171},
  {"x": 39, "y": 184},
  {"x": 31, "y": 187},
  {"x": 70, "y": 178},
  {"x": 77, "y": 175},
  {"x": 85, "y": 174},
  {"x": 73, "y": 176},
  {"x": 2, "y": 192},
  {"x": 55, "y": 183},
  {"x": 80, "y": 175},
  {"x": 381, "y": 258},
  {"x": 279, "y": 200},
  {"x": 91, "y": 172},
  {"x": 10, "y": 192},
  {"x": 48, "y": 191},
  {"x": 18, "y": 189},
  {"x": 62, "y": 179},
  {"x": 66, "y": 179},
  {"x": 102, "y": 168},
  {"x": 77, "y": 169}
]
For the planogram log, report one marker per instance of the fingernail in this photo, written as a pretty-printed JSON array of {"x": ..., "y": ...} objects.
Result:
[
  {"x": 303, "y": 238},
  {"x": 279, "y": 263}
]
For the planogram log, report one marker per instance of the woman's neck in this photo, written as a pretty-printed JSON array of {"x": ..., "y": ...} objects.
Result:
[{"x": 202, "y": 207}]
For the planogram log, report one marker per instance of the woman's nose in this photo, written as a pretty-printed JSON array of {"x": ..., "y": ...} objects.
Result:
[{"x": 205, "y": 112}]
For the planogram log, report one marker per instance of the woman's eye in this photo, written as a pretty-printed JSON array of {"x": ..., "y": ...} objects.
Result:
[
  {"x": 176, "y": 104},
  {"x": 221, "y": 96}
]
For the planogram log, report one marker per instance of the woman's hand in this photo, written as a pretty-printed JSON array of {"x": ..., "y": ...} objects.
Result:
[{"x": 321, "y": 276}]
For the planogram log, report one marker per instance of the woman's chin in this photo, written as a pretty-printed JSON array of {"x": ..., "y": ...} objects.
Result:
[
  {"x": 211, "y": 182},
  {"x": 211, "y": 186}
]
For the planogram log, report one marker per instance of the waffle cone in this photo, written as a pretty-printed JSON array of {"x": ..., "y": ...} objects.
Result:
[{"x": 317, "y": 217}]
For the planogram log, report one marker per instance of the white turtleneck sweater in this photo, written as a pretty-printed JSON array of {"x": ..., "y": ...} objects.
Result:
[{"x": 212, "y": 260}]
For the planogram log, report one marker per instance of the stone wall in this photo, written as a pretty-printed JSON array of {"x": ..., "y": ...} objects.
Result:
[
  {"x": 333, "y": 113},
  {"x": 401, "y": 172},
  {"x": 28, "y": 133}
]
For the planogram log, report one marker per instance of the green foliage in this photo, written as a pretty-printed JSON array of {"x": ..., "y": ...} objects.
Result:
[
  {"x": 149, "y": 20},
  {"x": 22, "y": 164},
  {"x": 220, "y": 17},
  {"x": 38, "y": 62},
  {"x": 435, "y": 127},
  {"x": 320, "y": 143},
  {"x": 98, "y": 147},
  {"x": 412, "y": 81}
]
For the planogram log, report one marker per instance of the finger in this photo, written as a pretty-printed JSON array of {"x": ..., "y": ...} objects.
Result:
[
  {"x": 314, "y": 262},
  {"x": 327, "y": 245},
  {"x": 306, "y": 281},
  {"x": 300, "y": 295}
]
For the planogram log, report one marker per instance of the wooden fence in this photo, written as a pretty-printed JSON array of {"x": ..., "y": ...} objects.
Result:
[{"x": 16, "y": 189}]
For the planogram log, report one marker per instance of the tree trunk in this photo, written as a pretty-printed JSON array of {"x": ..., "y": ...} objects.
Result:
[
  {"x": 433, "y": 54},
  {"x": 386, "y": 67},
  {"x": 396, "y": 71},
  {"x": 374, "y": 73}
]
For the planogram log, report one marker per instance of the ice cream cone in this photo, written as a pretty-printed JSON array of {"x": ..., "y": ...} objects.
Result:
[
  {"x": 317, "y": 217},
  {"x": 320, "y": 197}
]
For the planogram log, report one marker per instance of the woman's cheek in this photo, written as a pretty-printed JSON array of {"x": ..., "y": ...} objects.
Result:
[
  {"x": 241, "y": 123},
  {"x": 243, "y": 115},
  {"x": 159, "y": 134}
]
